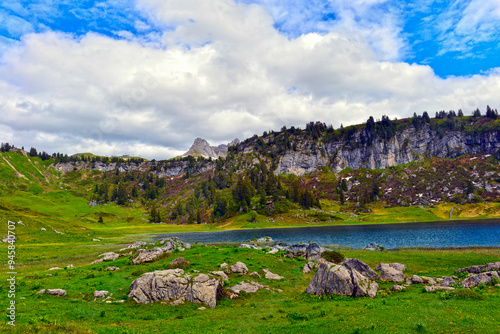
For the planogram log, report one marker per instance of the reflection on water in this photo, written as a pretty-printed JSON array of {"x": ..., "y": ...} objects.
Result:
[{"x": 432, "y": 234}]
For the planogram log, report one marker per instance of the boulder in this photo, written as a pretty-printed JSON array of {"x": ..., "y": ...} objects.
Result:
[
  {"x": 55, "y": 268},
  {"x": 171, "y": 244},
  {"x": 341, "y": 280},
  {"x": 282, "y": 246},
  {"x": 429, "y": 280},
  {"x": 56, "y": 292},
  {"x": 308, "y": 267},
  {"x": 361, "y": 267},
  {"x": 298, "y": 250},
  {"x": 251, "y": 246},
  {"x": 221, "y": 274},
  {"x": 69, "y": 266},
  {"x": 174, "y": 284},
  {"x": 43, "y": 229},
  {"x": 397, "y": 266},
  {"x": 254, "y": 274},
  {"x": 249, "y": 287},
  {"x": 415, "y": 279},
  {"x": 179, "y": 262},
  {"x": 265, "y": 239},
  {"x": 225, "y": 268},
  {"x": 135, "y": 245},
  {"x": 374, "y": 247},
  {"x": 397, "y": 287},
  {"x": 41, "y": 292},
  {"x": 273, "y": 250},
  {"x": 431, "y": 288},
  {"x": 392, "y": 272},
  {"x": 310, "y": 251},
  {"x": 111, "y": 268},
  {"x": 270, "y": 275},
  {"x": 100, "y": 294},
  {"x": 484, "y": 278},
  {"x": 111, "y": 256},
  {"x": 495, "y": 266},
  {"x": 147, "y": 255},
  {"x": 239, "y": 268},
  {"x": 448, "y": 281}
]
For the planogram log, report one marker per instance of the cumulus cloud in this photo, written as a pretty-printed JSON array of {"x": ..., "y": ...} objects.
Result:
[{"x": 217, "y": 70}]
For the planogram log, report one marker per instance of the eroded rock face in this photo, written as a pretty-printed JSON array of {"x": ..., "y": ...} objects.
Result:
[
  {"x": 174, "y": 285},
  {"x": 484, "y": 278},
  {"x": 341, "y": 280}
]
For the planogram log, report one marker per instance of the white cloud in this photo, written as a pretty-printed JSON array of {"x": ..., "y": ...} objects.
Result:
[{"x": 223, "y": 72}]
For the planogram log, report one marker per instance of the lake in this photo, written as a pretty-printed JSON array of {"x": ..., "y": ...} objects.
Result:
[{"x": 430, "y": 234}]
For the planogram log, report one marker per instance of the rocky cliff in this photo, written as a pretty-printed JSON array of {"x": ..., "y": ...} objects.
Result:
[{"x": 202, "y": 148}]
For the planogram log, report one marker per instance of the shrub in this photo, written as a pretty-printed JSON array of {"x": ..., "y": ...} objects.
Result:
[
  {"x": 333, "y": 256},
  {"x": 462, "y": 294}
]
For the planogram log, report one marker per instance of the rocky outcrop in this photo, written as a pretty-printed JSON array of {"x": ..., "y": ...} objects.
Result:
[
  {"x": 202, "y": 148},
  {"x": 495, "y": 266},
  {"x": 484, "y": 278},
  {"x": 167, "y": 246},
  {"x": 175, "y": 285},
  {"x": 361, "y": 267},
  {"x": 310, "y": 251},
  {"x": 147, "y": 255},
  {"x": 341, "y": 280}
]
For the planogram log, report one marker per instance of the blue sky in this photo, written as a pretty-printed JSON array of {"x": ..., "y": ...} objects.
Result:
[
  {"x": 433, "y": 31},
  {"x": 146, "y": 77}
]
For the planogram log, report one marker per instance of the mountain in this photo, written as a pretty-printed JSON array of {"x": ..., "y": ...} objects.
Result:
[{"x": 202, "y": 148}]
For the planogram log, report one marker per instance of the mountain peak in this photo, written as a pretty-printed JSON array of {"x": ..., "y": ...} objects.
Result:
[{"x": 202, "y": 148}]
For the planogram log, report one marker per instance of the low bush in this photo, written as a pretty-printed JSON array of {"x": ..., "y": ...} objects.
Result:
[{"x": 333, "y": 256}]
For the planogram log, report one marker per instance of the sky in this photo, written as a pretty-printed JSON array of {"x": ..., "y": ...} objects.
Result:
[{"x": 147, "y": 77}]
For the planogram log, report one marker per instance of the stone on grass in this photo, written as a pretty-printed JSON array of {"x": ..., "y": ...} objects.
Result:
[
  {"x": 55, "y": 268},
  {"x": 432, "y": 288},
  {"x": 484, "y": 278},
  {"x": 415, "y": 279},
  {"x": 239, "y": 268},
  {"x": 273, "y": 250},
  {"x": 254, "y": 274},
  {"x": 270, "y": 275},
  {"x": 494, "y": 266},
  {"x": 248, "y": 287},
  {"x": 251, "y": 246},
  {"x": 397, "y": 266},
  {"x": 174, "y": 284},
  {"x": 147, "y": 255},
  {"x": 43, "y": 229},
  {"x": 225, "y": 268},
  {"x": 448, "y": 281},
  {"x": 391, "y": 273},
  {"x": 308, "y": 267},
  {"x": 361, "y": 267},
  {"x": 100, "y": 294},
  {"x": 180, "y": 262},
  {"x": 56, "y": 292},
  {"x": 221, "y": 274},
  {"x": 111, "y": 256},
  {"x": 397, "y": 287},
  {"x": 111, "y": 268}
]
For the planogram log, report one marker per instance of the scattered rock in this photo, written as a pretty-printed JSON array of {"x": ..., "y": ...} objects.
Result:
[
  {"x": 111, "y": 268},
  {"x": 70, "y": 266},
  {"x": 43, "y": 229},
  {"x": 374, "y": 247},
  {"x": 397, "y": 287},
  {"x": 239, "y": 268},
  {"x": 341, "y": 280},
  {"x": 221, "y": 274},
  {"x": 391, "y": 273},
  {"x": 255, "y": 274},
  {"x": 265, "y": 239},
  {"x": 55, "y": 268},
  {"x": 361, "y": 267},
  {"x": 495, "y": 266},
  {"x": 251, "y": 246},
  {"x": 437, "y": 287},
  {"x": 308, "y": 267},
  {"x": 147, "y": 255},
  {"x": 173, "y": 285},
  {"x": 484, "y": 278},
  {"x": 177, "y": 302},
  {"x": 111, "y": 256},
  {"x": 448, "y": 281},
  {"x": 201, "y": 308},
  {"x": 273, "y": 250},
  {"x": 56, "y": 292},
  {"x": 180, "y": 262},
  {"x": 49, "y": 275},
  {"x": 96, "y": 239},
  {"x": 171, "y": 244},
  {"x": 415, "y": 279},
  {"x": 41, "y": 292},
  {"x": 282, "y": 246},
  {"x": 225, "y": 268},
  {"x": 249, "y": 287},
  {"x": 270, "y": 275},
  {"x": 135, "y": 245},
  {"x": 100, "y": 294},
  {"x": 56, "y": 231}
]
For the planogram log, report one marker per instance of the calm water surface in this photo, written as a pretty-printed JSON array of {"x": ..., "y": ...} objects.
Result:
[{"x": 431, "y": 234}]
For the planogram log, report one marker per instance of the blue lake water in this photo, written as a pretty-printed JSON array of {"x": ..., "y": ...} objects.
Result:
[{"x": 431, "y": 234}]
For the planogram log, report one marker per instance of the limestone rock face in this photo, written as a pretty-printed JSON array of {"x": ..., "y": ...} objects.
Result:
[
  {"x": 239, "y": 268},
  {"x": 173, "y": 285},
  {"x": 202, "y": 148},
  {"x": 341, "y": 280},
  {"x": 361, "y": 267},
  {"x": 484, "y": 278}
]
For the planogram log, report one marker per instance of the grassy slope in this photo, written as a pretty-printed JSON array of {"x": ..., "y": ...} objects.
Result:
[{"x": 40, "y": 202}]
